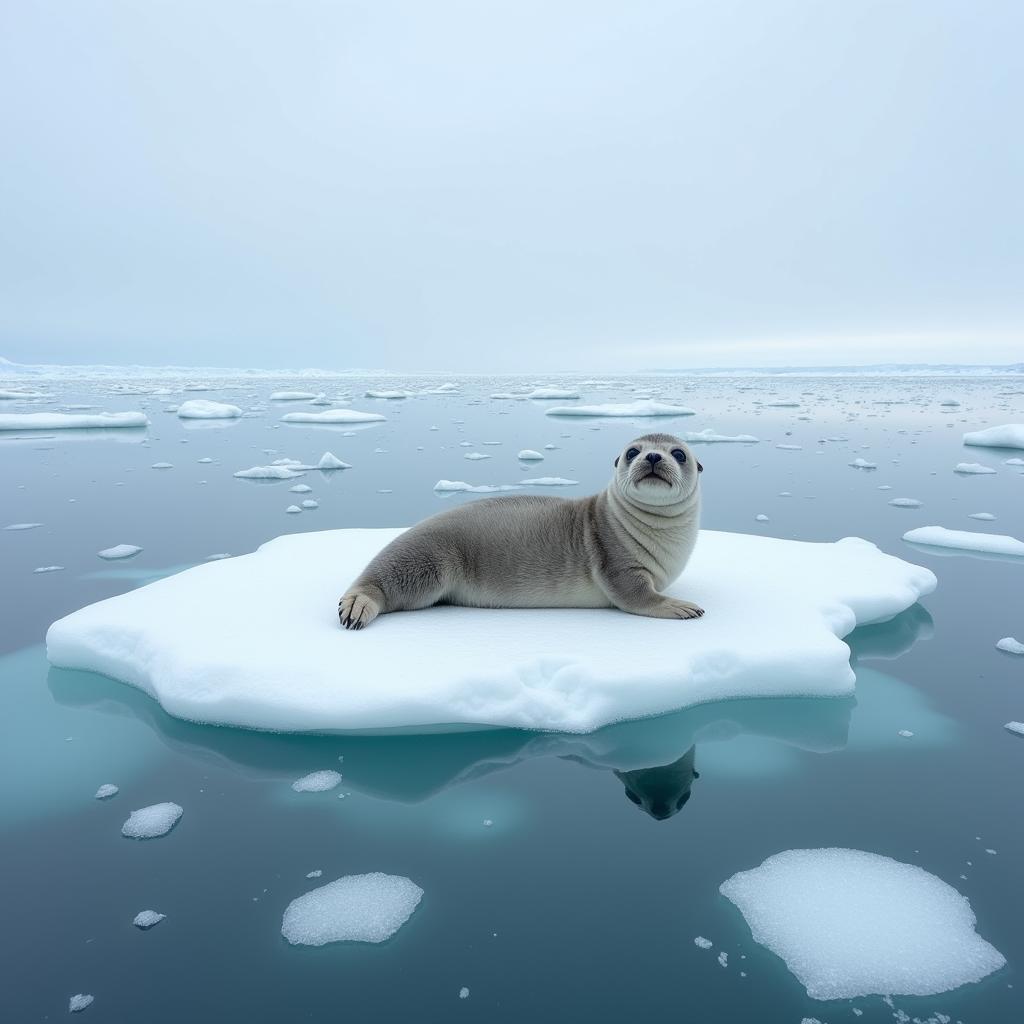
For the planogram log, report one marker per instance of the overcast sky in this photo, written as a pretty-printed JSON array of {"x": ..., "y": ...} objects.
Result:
[{"x": 492, "y": 185}]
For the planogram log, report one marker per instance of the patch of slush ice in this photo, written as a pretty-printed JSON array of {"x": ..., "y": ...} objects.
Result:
[
  {"x": 292, "y": 396},
  {"x": 70, "y": 421},
  {"x": 645, "y": 407},
  {"x": 76, "y": 1004},
  {"x": 317, "y": 782},
  {"x": 709, "y": 436},
  {"x": 1015, "y": 727},
  {"x": 150, "y": 822},
  {"x": 331, "y": 461},
  {"x": 968, "y": 468},
  {"x": 197, "y": 641},
  {"x": 268, "y": 473},
  {"x": 965, "y": 540},
  {"x": 1010, "y": 645},
  {"x": 201, "y": 409},
  {"x": 905, "y": 502},
  {"x": 549, "y": 481},
  {"x": 1009, "y": 435},
  {"x": 145, "y": 919},
  {"x": 23, "y": 526},
  {"x": 529, "y": 455},
  {"x": 106, "y": 791},
  {"x": 461, "y": 485},
  {"x": 849, "y": 923},
  {"x": 119, "y": 551},
  {"x": 332, "y": 416},
  {"x": 355, "y": 908}
]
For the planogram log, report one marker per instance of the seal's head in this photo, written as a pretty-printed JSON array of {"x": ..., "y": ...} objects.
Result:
[{"x": 657, "y": 470}]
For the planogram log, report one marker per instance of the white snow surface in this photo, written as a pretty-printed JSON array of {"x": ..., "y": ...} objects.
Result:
[
  {"x": 849, "y": 923},
  {"x": 644, "y": 407},
  {"x": 354, "y": 908},
  {"x": 966, "y": 540},
  {"x": 201, "y": 409},
  {"x": 254, "y": 640},
  {"x": 332, "y": 416},
  {"x": 1009, "y": 435},
  {"x": 150, "y": 822},
  {"x": 70, "y": 421}
]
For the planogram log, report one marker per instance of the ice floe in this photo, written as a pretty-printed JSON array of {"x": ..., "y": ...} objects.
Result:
[
  {"x": 317, "y": 782},
  {"x": 23, "y": 526},
  {"x": 355, "y": 908},
  {"x": 201, "y": 409},
  {"x": 461, "y": 485},
  {"x": 274, "y": 472},
  {"x": 1009, "y": 435},
  {"x": 1010, "y": 645},
  {"x": 332, "y": 416},
  {"x": 150, "y": 822},
  {"x": 292, "y": 396},
  {"x": 1015, "y": 727},
  {"x": 77, "y": 1003},
  {"x": 849, "y": 923},
  {"x": 106, "y": 791},
  {"x": 529, "y": 455},
  {"x": 548, "y": 392},
  {"x": 905, "y": 502},
  {"x": 146, "y": 919},
  {"x": 709, "y": 436},
  {"x": 985, "y": 516},
  {"x": 965, "y": 540},
  {"x": 197, "y": 641},
  {"x": 968, "y": 468},
  {"x": 549, "y": 481},
  {"x": 645, "y": 407},
  {"x": 70, "y": 421},
  {"x": 859, "y": 463},
  {"x": 331, "y": 461},
  {"x": 387, "y": 394},
  {"x": 6, "y": 394},
  {"x": 119, "y": 551}
]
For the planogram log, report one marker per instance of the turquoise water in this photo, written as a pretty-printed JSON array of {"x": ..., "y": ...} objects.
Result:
[{"x": 574, "y": 902}]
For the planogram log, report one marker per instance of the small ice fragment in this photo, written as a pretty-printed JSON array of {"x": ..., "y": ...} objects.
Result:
[
  {"x": 1015, "y": 727},
  {"x": 201, "y": 409},
  {"x": 300, "y": 489},
  {"x": 145, "y": 919},
  {"x": 863, "y": 464},
  {"x": 1010, "y": 645},
  {"x": 71, "y": 421},
  {"x": 529, "y": 455},
  {"x": 644, "y": 407},
  {"x": 463, "y": 992},
  {"x": 293, "y": 508},
  {"x": 49, "y": 568},
  {"x": 709, "y": 436},
  {"x": 790, "y": 447},
  {"x": 314, "y": 874},
  {"x": 475, "y": 456},
  {"x": 986, "y": 516},
  {"x": 332, "y": 416},
  {"x": 905, "y": 733},
  {"x": 162, "y": 465},
  {"x": 723, "y": 958},
  {"x": 964, "y": 540},
  {"x": 905, "y": 502},
  {"x": 119, "y": 551},
  {"x": 1009, "y": 435},
  {"x": 317, "y": 782},
  {"x": 22, "y": 526},
  {"x": 268, "y": 473},
  {"x": 106, "y": 791},
  {"x": 150, "y": 822},
  {"x": 761, "y": 518},
  {"x": 291, "y": 396},
  {"x": 549, "y": 481},
  {"x": 972, "y": 467},
  {"x": 702, "y": 942},
  {"x": 354, "y": 908},
  {"x": 488, "y": 822},
  {"x": 76, "y": 1004},
  {"x": 311, "y": 503}
]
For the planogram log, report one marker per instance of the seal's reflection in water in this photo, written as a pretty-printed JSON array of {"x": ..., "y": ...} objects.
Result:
[
  {"x": 661, "y": 792},
  {"x": 653, "y": 758}
]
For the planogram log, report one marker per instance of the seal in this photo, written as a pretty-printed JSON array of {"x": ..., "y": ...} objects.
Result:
[{"x": 618, "y": 548}]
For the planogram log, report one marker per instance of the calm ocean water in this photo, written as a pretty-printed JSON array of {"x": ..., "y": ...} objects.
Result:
[{"x": 574, "y": 903}]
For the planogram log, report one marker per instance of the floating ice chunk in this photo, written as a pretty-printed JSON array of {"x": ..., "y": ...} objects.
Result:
[
  {"x": 201, "y": 409},
  {"x": 317, "y": 782},
  {"x": 562, "y": 393},
  {"x": 6, "y": 394},
  {"x": 330, "y": 461},
  {"x": 463, "y": 992},
  {"x": 529, "y": 455},
  {"x": 849, "y": 923},
  {"x": 1015, "y": 727},
  {"x": 859, "y": 463},
  {"x": 106, "y": 791},
  {"x": 965, "y": 540},
  {"x": 1013, "y": 462},
  {"x": 162, "y": 465},
  {"x": 146, "y": 919},
  {"x": 76, "y": 1004},
  {"x": 150, "y": 822},
  {"x": 448, "y": 388},
  {"x": 292, "y": 509},
  {"x": 762, "y": 518},
  {"x": 549, "y": 481},
  {"x": 708, "y": 436},
  {"x": 332, "y": 416},
  {"x": 723, "y": 959},
  {"x": 314, "y": 874},
  {"x": 645, "y": 407},
  {"x": 905, "y": 502},
  {"x": 702, "y": 942},
  {"x": 950, "y": 402},
  {"x": 461, "y": 485},
  {"x": 196, "y": 641},
  {"x": 475, "y": 456},
  {"x": 268, "y": 473},
  {"x": 300, "y": 489},
  {"x": 388, "y": 394},
  {"x": 49, "y": 568},
  {"x": 790, "y": 447},
  {"x": 986, "y": 516},
  {"x": 71, "y": 421},
  {"x": 204, "y": 461},
  {"x": 905, "y": 733},
  {"x": 119, "y": 551},
  {"x": 1009, "y": 435},
  {"x": 355, "y": 908},
  {"x": 310, "y": 503},
  {"x": 23, "y": 526},
  {"x": 972, "y": 467},
  {"x": 1010, "y": 645},
  {"x": 292, "y": 396}
]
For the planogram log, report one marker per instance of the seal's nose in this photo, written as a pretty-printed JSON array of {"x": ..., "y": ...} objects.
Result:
[{"x": 653, "y": 457}]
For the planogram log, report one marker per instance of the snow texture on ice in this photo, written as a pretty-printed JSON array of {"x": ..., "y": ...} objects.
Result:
[
  {"x": 1015, "y": 727},
  {"x": 76, "y": 1004},
  {"x": 150, "y": 822},
  {"x": 645, "y": 407},
  {"x": 200, "y": 641},
  {"x": 355, "y": 908},
  {"x": 965, "y": 540},
  {"x": 1009, "y": 435},
  {"x": 201, "y": 409},
  {"x": 529, "y": 455},
  {"x": 145, "y": 919},
  {"x": 106, "y": 791},
  {"x": 849, "y": 923},
  {"x": 317, "y": 782},
  {"x": 70, "y": 421},
  {"x": 1011, "y": 645}
]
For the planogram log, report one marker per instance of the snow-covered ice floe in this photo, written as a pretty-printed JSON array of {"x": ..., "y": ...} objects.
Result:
[
  {"x": 332, "y": 416},
  {"x": 645, "y": 407},
  {"x": 79, "y": 1002},
  {"x": 966, "y": 540},
  {"x": 119, "y": 551},
  {"x": 709, "y": 436},
  {"x": 1011, "y": 645},
  {"x": 146, "y": 919},
  {"x": 446, "y": 486},
  {"x": 70, "y": 421},
  {"x": 150, "y": 822},
  {"x": 355, "y": 908},
  {"x": 198, "y": 641},
  {"x": 1009, "y": 435},
  {"x": 201, "y": 409},
  {"x": 317, "y": 782},
  {"x": 975, "y": 468},
  {"x": 275, "y": 472},
  {"x": 849, "y": 923}
]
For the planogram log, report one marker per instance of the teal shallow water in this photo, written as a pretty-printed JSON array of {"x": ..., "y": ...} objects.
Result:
[{"x": 573, "y": 901}]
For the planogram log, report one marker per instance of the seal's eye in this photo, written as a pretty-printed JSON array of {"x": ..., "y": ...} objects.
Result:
[
  {"x": 679, "y": 455},
  {"x": 632, "y": 453}
]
